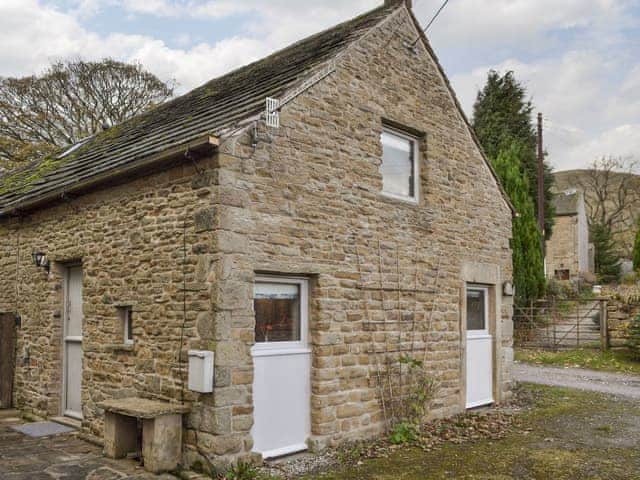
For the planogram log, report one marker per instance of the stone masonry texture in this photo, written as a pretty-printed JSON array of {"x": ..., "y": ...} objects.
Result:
[
  {"x": 306, "y": 201},
  {"x": 562, "y": 247}
]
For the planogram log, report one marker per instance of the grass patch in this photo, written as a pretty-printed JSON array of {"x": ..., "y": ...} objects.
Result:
[
  {"x": 557, "y": 439},
  {"x": 611, "y": 361}
]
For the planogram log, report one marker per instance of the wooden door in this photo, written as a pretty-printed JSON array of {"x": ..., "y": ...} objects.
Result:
[
  {"x": 7, "y": 358},
  {"x": 73, "y": 319}
]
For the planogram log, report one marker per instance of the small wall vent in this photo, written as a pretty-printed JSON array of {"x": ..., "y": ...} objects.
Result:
[{"x": 272, "y": 115}]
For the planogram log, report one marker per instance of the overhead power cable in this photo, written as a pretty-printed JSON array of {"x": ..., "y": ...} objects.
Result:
[{"x": 433, "y": 19}]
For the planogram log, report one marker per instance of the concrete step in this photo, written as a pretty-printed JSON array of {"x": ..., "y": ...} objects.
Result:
[{"x": 69, "y": 422}]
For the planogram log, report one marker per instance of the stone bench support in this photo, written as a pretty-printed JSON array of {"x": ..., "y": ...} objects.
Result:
[{"x": 161, "y": 431}]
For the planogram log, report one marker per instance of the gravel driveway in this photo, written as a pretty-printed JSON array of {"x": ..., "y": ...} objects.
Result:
[{"x": 605, "y": 382}]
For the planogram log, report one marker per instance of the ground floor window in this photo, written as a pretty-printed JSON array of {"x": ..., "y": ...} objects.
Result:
[
  {"x": 277, "y": 307},
  {"x": 477, "y": 309}
]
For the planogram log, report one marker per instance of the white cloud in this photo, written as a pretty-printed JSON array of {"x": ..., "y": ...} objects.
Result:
[
  {"x": 574, "y": 56},
  {"x": 48, "y": 35},
  {"x": 503, "y": 22},
  {"x": 588, "y": 111},
  {"x": 620, "y": 141}
]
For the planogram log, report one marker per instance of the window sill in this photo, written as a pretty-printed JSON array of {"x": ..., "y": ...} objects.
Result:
[
  {"x": 273, "y": 352},
  {"x": 399, "y": 199},
  {"x": 478, "y": 336}
]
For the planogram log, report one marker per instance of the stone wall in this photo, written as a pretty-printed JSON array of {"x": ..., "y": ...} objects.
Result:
[
  {"x": 562, "y": 247},
  {"x": 620, "y": 314},
  {"x": 306, "y": 201},
  {"x": 129, "y": 240}
]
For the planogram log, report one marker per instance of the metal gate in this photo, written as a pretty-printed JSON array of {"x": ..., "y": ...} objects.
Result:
[
  {"x": 7, "y": 358},
  {"x": 561, "y": 324}
]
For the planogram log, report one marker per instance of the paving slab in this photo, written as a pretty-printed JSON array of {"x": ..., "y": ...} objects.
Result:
[
  {"x": 42, "y": 429},
  {"x": 60, "y": 457}
]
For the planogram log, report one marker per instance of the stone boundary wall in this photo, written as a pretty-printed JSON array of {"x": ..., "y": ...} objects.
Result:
[{"x": 620, "y": 314}]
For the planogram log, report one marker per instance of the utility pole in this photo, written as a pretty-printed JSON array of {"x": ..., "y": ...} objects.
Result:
[{"x": 540, "y": 179}]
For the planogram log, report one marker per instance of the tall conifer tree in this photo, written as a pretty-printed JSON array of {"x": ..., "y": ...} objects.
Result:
[
  {"x": 502, "y": 114},
  {"x": 607, "y": 261},
  {"x": 528, "y": 266}
]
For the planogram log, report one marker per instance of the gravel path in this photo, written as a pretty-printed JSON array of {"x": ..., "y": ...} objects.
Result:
[{"x": 605, "y": 382}]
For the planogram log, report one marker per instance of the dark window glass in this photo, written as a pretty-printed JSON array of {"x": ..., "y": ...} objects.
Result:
[
  {"x": 277, "y": 308},
  {"x": 129, "y": 325}
]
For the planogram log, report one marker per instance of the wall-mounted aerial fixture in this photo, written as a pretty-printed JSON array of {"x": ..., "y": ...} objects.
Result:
[{"x": 41, "y": 260}]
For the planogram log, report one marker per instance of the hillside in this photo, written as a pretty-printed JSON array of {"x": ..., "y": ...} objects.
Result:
[{"x": 624, "y": 229}]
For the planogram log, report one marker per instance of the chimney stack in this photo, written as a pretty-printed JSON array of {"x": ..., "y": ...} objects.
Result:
[{"x": 390, "y": 3}]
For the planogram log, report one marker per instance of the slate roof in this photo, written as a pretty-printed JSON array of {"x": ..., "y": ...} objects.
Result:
[{"x": 211, "y": 109}]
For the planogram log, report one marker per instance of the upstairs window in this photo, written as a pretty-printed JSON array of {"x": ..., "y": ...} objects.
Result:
[{"x": 399, "y": 167}]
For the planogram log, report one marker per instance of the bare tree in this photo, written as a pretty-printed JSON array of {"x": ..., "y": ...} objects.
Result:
[
  {"x": 612, "y": 195},
  {"x": 611, "y": 190},
  {"x": 70, "y": 101}
]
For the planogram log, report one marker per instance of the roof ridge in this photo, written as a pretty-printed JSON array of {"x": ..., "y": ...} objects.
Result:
[{"x": 297, "y": 43}]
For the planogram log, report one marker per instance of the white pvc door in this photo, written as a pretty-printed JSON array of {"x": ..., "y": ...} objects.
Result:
[
  {"x": 282, "y": 367},
  {"x": 72, "y": 383},
  {"x": 479, "y": 348}
]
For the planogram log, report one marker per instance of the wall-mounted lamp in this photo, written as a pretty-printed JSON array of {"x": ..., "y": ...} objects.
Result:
[{"x": 41, "y": 260}]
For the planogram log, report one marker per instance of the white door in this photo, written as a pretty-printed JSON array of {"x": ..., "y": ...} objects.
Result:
[
  {"x": 282, "y": 367},
  {"x": 72, "y": 364},
  {"x": 479, "y": 348}
]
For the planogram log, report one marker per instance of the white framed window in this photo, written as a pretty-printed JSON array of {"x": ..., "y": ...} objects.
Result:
[
  {"x": 477, "y": 310},
  {"x": 281, "y": 307},
  {"x": 126, "y": 320},
  {"x": 399, "y": 167}
]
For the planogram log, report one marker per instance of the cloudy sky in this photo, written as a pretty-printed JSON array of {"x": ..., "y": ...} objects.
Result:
[{"x": 580, "y": 59}]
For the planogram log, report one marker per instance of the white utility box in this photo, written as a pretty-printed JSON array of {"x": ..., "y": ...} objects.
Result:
[{"x": 201, "y": 371}]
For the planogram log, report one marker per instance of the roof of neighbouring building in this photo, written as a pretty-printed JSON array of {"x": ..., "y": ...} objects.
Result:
[
  {"x": 567, "y": 203},
  {"x": 216, "y": 108}
]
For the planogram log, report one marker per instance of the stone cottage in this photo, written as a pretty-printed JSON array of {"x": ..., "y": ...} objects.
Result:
[
  {"x": 310, "y": 219},
  {"x": 569, "y": 254}
]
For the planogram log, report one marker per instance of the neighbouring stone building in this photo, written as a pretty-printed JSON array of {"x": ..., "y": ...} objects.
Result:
[
  {"x": 569, "y": 253},
  {"x": 364, "y": 225}
]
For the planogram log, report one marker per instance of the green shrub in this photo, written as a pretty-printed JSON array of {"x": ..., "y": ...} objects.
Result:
[
  {"x": 241, "y": 471},
  {"x": 630, "y": 278},
  {"x": 404, "y": 432},
  {"x": 414, "y": 391},
  {"x": 633, "y": 341}
]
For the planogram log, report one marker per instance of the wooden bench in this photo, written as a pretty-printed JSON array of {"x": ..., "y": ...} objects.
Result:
[{"x": 161, "y": 431}]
